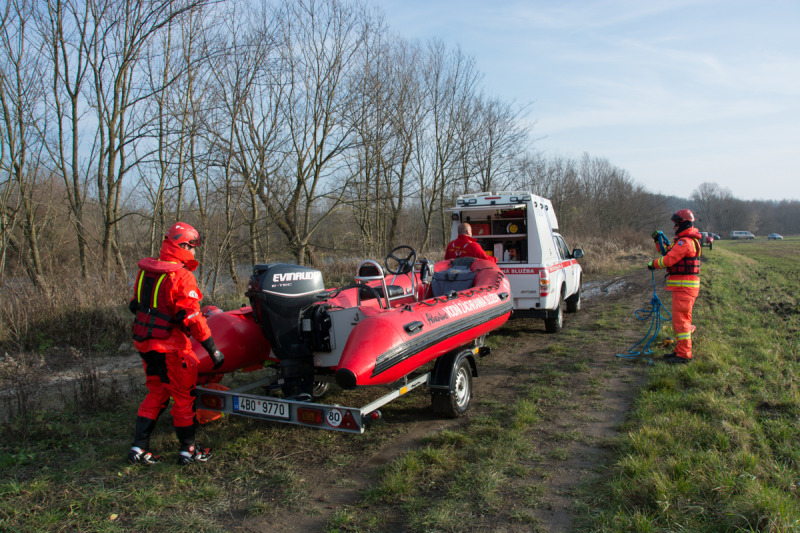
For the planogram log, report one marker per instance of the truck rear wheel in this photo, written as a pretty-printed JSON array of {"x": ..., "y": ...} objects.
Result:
[
  {"x": 556, "y": 322},
  {"x": 574, "y": 302}
]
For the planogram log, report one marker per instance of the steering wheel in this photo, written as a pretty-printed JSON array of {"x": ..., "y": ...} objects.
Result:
[{"x": 404, "y": 264}]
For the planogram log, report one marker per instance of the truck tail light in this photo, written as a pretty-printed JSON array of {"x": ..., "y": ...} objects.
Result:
[{"x": 544, "y": 282}]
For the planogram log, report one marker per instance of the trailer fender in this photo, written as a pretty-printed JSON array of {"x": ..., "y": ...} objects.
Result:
[{"x": 446, "y": 365}]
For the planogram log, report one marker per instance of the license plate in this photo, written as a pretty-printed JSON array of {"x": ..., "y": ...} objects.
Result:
[{"x": 261, "y": 407}]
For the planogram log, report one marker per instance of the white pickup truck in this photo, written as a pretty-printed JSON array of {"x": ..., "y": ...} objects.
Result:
[{"x": 520, "y": 229}]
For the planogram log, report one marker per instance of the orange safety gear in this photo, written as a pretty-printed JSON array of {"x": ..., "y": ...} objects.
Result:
[
  {"x": 177, "y": 297},
  {"x": 183, "y": 233},
  {"x": 688, "y": 265},
  {"x": 169, "y": 362},
  {"x": 684, "y": 284},
  {"x": 466, "y": 246},
  {"x": 682, "y": 304},
  {"x": 684, "y": 252},
  {"x": 150, "y": 322},
  {"x": 173, "y": 374},
  {"x": 683, "y": 215}
]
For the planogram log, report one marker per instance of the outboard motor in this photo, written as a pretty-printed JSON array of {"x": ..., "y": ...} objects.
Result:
[{"x": 278, "y": 293}]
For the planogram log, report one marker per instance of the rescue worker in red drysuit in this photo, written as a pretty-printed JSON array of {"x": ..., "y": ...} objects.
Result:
[
  {"x": 682, "y": 262},
  {"x": 166, "y": 303},
  {"x": 465, "y": 245}
]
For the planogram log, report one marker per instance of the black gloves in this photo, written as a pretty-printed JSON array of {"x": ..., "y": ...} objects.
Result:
[
  {"x": 650, "y": 266},
  {"x": 216, "y": 356},
  {"x": 655, "y": 236},
  {"x": 133, "y": 305}
]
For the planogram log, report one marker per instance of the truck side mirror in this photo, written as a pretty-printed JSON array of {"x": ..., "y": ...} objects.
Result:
[{"x": 577, "y": 253}]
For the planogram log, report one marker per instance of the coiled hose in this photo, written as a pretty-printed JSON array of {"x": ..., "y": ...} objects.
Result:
[{"x": 655, "y": 315}]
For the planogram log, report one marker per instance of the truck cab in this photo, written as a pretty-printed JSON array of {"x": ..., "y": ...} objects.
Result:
[{"x": 520, "y": 230}]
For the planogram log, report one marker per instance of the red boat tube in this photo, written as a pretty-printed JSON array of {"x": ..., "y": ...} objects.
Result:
[
  {"x": 374, "y": 332},
  {"x": 238, "y": 337},
  {"x": 391, "y": 344}
]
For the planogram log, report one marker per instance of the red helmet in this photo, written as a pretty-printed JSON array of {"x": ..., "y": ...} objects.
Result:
[
  {"x": 684, "y": 215},
  {"x": 182, "y": 233}
]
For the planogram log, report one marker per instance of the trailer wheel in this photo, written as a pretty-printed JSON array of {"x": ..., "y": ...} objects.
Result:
[
  {"x": 554, "y": 324},
  {"x": 455, "y": 404},
  {"x": 320, "y": 389}
]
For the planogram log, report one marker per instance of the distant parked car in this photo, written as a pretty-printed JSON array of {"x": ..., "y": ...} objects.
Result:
[
  {"x": 742, "y": 235},
  {"x": 716, "y": 237},
  {"x": 775, "y": 237}
]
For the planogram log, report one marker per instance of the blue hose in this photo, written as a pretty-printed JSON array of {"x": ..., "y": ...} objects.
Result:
[
  {"x": 663, "y": 243},
  {"x": 655, "y": 314}
]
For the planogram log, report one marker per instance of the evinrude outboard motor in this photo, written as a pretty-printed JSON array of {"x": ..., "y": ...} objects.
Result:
[{"x": 278, "y": 293}]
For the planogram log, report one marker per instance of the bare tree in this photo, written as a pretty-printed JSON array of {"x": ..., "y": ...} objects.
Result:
[
  {"x": 498, "y": 137},
  {"x": 22, "y": 107},
  {"x": 388, "y": 126},
  {"x": 449, "y": 82},
  {"x": 124, "y": 29},
  {"x": 67, "y": 32},
  {"x": 384, "y": 117},
  {"x": 711, "y": 203},
  {"x": 320, "y": 43},
  {"x": 242, "y": 128},
  {"x": 177, "y": 74}
]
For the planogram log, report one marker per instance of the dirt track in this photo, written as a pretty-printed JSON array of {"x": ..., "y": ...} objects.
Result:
[
  {"x": 596, "y": 402},
  {"x": 522, "y": 348}
]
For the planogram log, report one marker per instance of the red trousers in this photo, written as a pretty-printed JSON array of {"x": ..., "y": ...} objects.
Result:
[
  {"x": 682, "y": 303},
  {"x": 173, "y": 374}
]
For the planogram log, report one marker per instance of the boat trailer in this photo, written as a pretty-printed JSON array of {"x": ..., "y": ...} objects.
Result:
[{"x": 450, "y": 382}]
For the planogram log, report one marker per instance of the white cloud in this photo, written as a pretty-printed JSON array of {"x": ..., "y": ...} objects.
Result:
[{"x": 687, "y": 89}]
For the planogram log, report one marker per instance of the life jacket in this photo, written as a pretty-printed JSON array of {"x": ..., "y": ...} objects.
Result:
[
  {"x": 152, "y": 322},
  {"x": 687, "y": 266}
]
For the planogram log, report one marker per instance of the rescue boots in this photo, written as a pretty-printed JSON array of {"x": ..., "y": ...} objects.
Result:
[
  {"x": 190, "y": 452},
  {"x": 138, "y": 456},
  {"x": 676, "y": 360},
  {"x": 194, "y": 455},
  {"x": 139, "y": 453}
]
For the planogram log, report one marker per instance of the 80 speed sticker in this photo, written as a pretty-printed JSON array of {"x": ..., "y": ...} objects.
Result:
[{"x": 334, "y": 418}]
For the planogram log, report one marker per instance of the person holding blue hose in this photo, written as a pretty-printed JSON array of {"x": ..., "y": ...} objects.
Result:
[{"x": 682, "y": 262}]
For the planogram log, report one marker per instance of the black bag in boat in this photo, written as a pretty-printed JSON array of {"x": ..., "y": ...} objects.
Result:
[{"x": 456, "y": 278}]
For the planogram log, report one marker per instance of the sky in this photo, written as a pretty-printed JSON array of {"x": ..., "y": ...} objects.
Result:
[{"x": 678, "y": 93}]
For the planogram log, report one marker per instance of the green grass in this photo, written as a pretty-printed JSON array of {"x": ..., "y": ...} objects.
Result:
[
  {"x": 715, "y": 446},
  {"x": 708, "y": 447}
]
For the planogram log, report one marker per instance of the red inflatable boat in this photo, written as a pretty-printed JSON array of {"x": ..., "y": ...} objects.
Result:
[{"x": 378, "y": 330}]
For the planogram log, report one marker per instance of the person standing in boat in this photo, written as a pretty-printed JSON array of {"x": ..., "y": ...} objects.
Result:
[
  {"x": 465, "y": 246},
  {"x": 166, "y": 303}
]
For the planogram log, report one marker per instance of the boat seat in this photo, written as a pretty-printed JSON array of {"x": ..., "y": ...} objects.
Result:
[
  {"x": 395, "y": 291},
  {"x": 456, "y": 278},
  {"x": 370, "y": 271}
]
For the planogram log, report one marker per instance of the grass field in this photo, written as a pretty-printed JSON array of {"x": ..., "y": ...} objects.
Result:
[
  {"x": 715, "y": 446},
  {"x": 712, "y": 446}
]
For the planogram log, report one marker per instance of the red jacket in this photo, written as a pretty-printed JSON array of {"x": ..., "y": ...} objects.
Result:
[
  {"x": 465, "y": 246},
  {"x": 687, "y": 244},
  {"x": 178, "y": 296}
]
